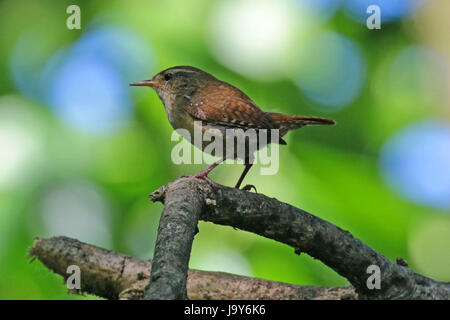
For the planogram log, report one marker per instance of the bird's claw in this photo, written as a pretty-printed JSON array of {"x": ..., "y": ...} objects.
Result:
[
  {"x": 249, "y": 187},
  {"x": 210, "y": 182},
  {"x": 202, "y": 177}
]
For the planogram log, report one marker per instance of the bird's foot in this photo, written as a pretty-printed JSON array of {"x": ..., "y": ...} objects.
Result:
[
  {"x": 249, "y": 187},
  {"x": 203, "y": 176}
]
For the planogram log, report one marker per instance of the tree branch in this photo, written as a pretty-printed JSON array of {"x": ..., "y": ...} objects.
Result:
[
  {"x": 279, "y": 221},
  {"x": 113, "y": 275},
  {"x": 176, "y": 231}
]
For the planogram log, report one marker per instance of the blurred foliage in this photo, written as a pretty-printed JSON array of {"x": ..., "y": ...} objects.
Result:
[{"x": 61, "y": 176}]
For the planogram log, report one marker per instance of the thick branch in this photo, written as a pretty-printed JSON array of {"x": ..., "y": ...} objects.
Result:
[
  {"x": 115, "y": 276},
  {"x": 176, "y": 231},
  {"x": 320, "y": 239}
]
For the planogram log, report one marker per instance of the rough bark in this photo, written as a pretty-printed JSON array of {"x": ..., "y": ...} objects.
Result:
[
  {"x": 177, "y": 228},
  {"x": 320, "y": 239},
  {"x": 112, "y": 275},
  {"x": 186, "y": 201}
]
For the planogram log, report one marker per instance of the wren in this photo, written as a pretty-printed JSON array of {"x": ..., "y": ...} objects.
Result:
[{"x": 192, "y": 96}]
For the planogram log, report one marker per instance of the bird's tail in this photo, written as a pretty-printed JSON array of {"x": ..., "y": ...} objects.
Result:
[{"x": 286, "y": 122}]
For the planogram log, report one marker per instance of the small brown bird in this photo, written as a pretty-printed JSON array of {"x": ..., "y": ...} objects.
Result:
[{"x": 192, "y": 96}]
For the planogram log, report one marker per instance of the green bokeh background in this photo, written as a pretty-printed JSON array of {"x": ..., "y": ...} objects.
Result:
[{"x": 332, "y": 172}]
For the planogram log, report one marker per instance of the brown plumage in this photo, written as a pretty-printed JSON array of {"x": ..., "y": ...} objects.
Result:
[
  {"x": 221, "y": 103},
  {"x": 286, "y": 122},
  {"x": 190, "y": 94}
]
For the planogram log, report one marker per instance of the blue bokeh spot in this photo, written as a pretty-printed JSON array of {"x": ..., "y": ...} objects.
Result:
[
  {"x": 334, "y": 71},
  {"x": 416, "y": 163},
  {"x": 86, "y": 84}
]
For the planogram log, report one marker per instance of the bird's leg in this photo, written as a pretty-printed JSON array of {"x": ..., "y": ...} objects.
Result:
[
  {"x": 241, "y": 178},
  {"x": 204, "y": 174}
]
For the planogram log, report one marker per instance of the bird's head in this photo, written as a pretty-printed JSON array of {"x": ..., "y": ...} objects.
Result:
[{"x": 176, "y": 81}]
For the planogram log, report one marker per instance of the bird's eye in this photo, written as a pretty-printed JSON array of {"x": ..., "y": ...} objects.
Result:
[{"x": 168, "y": 76}]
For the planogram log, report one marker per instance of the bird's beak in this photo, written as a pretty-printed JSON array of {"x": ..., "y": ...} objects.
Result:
[{"x": 145, "y": 83}]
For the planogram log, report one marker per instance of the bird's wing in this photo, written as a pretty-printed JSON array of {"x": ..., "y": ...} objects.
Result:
[{"x": 226, "y": 105}]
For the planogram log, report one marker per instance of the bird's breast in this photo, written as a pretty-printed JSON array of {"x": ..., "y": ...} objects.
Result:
[{"x": 221, "y": 141}]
